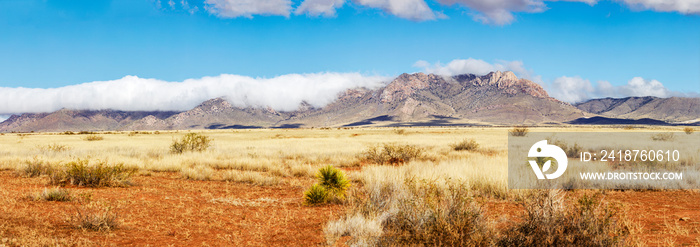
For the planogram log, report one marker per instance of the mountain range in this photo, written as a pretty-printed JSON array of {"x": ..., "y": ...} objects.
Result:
[{"x": 498, "y": 98}]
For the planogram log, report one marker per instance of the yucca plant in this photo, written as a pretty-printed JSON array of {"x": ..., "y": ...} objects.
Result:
[
  {"x": 315, "y": 195},
  {"x": 334, "y": 180}
]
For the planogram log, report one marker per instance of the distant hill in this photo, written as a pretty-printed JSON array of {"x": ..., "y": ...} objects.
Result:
[
  {"x": 673, "y": 110},
  {"x": 498, "y": 98}
]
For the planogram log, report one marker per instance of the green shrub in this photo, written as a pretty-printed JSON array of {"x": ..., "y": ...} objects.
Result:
[
  {"x": 315, "y": 195},
  {"x": 190, "y": 142},
  {"x": 34, "y": 168},
  {"x": 466, "y": 145},
  {"x": 436, "y": 216},
  {"x": 549, "y": 222},
  {"x": 81, "y": 173},
  {"x": 334, "y": 180},
  {"x": 391, "y": 154},
  {"x": 94, "y": 138},
  {"x": 55, "y": 194},
  {"x": 519, "y": 131}
]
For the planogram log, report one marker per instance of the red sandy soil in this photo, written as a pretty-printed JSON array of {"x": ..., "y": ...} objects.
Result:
[{"x": 164, "y": 209}]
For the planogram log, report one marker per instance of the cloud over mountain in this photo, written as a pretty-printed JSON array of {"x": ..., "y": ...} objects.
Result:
[
  {"x": 477, "y": 67},
  {"x": 132, "y": 93},
  {"x": 577, "y": 89}
]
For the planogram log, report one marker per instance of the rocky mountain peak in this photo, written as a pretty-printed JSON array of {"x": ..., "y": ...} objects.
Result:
[{"x": 406, "y": 84}]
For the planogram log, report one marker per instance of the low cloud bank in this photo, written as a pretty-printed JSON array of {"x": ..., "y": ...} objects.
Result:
[
  {"x": 577, "y": 89},
  {"x": 131, "y": 93}
]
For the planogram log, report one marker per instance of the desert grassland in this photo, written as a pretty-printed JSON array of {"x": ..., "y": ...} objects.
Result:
[{"x": 263, "y": 172}]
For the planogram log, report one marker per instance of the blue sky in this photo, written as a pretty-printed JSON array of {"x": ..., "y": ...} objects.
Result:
[{"x": 590, "y": 46}]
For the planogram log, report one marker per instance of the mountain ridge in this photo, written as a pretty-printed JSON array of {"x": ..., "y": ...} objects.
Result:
[{"x": 418, "y": 99}]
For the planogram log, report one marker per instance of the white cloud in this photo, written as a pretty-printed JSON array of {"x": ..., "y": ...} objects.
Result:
[
  {"x": 248, "y": 8},
  {"x": 416, "y": 10},
  {"x": 500, "y": 12},
  {"x": 477, "y": 67},
  {"x": 324, "y": 8},
  {"x": 132, "y": 93},
  {"x": 577, "y": 89},
  {"x": 681, "y": 6}
]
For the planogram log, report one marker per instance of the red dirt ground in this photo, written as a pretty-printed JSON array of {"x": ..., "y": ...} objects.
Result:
[{"x": 164, "y": 209}]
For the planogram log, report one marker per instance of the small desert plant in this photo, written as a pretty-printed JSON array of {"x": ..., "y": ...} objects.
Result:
[
  {"x": 400, "y": 131},
  {"x": 101, "y": 174},
  {"x": 668, "y": 136},
  {"x": 190, "y": 142},
  {"x": 413, "y": 213},
  {"x": 55, "y": 147},
  {"x": 55, "y": 194},
  {"x": 466, "y": 145},
  {"x": 391, "y": 154},
  {"x": 34, "y": 168},
  {"x": 334, "y": 180},
  {"x": 315, "y": 195},
  {"x": 588, "y": 222},
  {"x": 93, "y": 137},
  {"x": 571, "y": 151},
  {"x": 519, "y": 131},
  {"x": 96, "y": 217},
  {"x": 199, "y": 172},
  {"x": 688, "y": 130}
]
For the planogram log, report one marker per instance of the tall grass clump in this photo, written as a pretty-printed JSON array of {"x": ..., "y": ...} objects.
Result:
[
  {"x": 193, "y": 142},
  {"x": 519, "y": 131},
  {"x": 55, "y": 194},
  {"x": 465, "y": 145},
  {"x": 254, "y": 178},
  {"x": 54, "y": 147},
  {"x": 200, "y": 172},
  {"x": 391, "y": 153},
  {"x": 413, "y": 213},
  {"x": 332, "y": 185},
  {"x": 93, "y": 137},
  {"x": 96, "y": 217},
  {"x": 548, "y": 221},
  {"x": 668, "y": 136},
  {"x": 100, "y": 174},
  {"x": 34, "y": 168}
]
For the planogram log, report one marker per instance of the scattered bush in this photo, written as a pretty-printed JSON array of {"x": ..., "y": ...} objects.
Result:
[
  {"x": 391, "y": 154},
  {"x": 34, "y": 168},
  {"x": 94, "y": 138},
  {"x": 549, "y": 222},
  {"x": 413, "y": 214},
  {"x": 199, "y": 172},
  {"x": 96, "y": 217},
  {"x": 334, "y": 180},
  {"x": 668, "y": 136},
  {"x": 519, "y": 131},
  {"x": 466, "y": 145},
  {"x": 400, "y": 131},
  {"x": 55, "y": 147},
  {"x": 190, "y": 142},
  {"x": 101, "y": 174},
  {"x": 571, "y": 151},
  {"x": 55, "y": 194},
  {"x": 315, "y": 195},
  {"x": 688, "y": 130}
]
